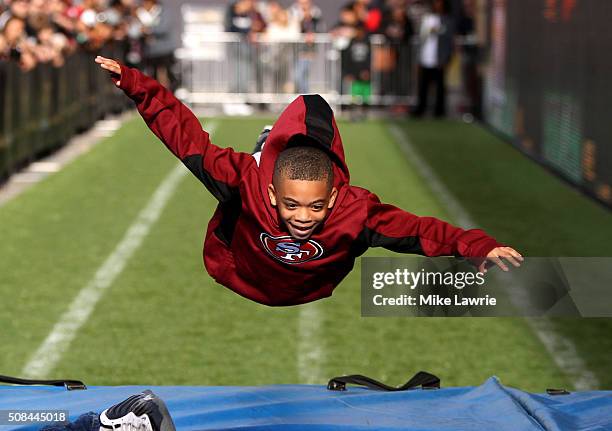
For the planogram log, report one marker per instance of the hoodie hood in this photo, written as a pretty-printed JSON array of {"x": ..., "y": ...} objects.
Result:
[{"x": 310, "y": 116}]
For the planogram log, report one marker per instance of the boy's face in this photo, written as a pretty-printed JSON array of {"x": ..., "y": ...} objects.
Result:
[{"x": 302, "y": 205}]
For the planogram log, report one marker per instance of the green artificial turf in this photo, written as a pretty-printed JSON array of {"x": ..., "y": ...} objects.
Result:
[
  {"x": 525, "y": 206},
  {"x": 165, "y": 321}
]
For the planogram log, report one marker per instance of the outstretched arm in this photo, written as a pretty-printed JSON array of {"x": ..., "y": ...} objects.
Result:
[
  {"x": 398, "y": 230},
  {"x": 219, "y": 169}
]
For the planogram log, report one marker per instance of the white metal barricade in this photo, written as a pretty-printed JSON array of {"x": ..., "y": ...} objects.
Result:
[{"x": 229, "y": 68}]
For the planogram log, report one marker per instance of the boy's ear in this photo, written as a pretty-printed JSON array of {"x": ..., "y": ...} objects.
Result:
[
  {"x": 332, "y": 198},
  {"x": 272, "y": 194}
]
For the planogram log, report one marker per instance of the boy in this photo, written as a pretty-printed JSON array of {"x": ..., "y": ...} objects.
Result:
[{"x": 288, "y": 226}]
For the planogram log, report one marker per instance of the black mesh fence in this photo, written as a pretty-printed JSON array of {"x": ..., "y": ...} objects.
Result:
[
  {"x": 42, "y": 108},
  {"x": 548, "y": 85}
]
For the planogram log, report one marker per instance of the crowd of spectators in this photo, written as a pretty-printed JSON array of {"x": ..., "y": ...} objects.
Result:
[
  {"x": 47, "y": 31},
  {"x": 389, "y": 21},
  {"x": 414, "y": 38},
  {"x": 375, "y": 38},
  {"x": 271, "y": 23}
]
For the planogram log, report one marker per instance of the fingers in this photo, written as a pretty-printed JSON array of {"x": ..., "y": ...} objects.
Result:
[
  {"x": 507, "y": 253},
  {"x": 103, "y": 60},
  {"x": 115, "y": 68},
  {"x": 108, "y": 64},
  {"x": 514, "y": 253},
  {"x": 497, "y": 254},
  {"x": 100, "y": 59},
  {"x": 511, "y": 256},
  {"x": 482, "y": 268},
  {"x": 497, "y": 261},
  {"x": 111, "y": 65}
]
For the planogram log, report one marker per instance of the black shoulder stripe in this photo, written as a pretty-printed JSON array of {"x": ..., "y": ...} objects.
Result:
[
  {"x": 408, "y": 244},
  {"x": 319, "y": 117},
  {"x": 231, "y": 210},
  {"x": 219, "y": 190}
]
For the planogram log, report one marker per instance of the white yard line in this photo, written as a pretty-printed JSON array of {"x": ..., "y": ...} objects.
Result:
[
  {"x": 75, "y": 147},
  {"x": 65, "y": 330},
  {"x": 310, "y": 351},
  {"x": 561, "y": 349}
]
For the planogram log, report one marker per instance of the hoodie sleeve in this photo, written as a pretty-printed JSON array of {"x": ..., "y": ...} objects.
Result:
[
  {"x": 400, "y": 231},
  {"x": 219, "y": 169}
]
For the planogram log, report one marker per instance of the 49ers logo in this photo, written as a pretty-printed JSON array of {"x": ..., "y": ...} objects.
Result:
[{"x": 289, "y": 250}]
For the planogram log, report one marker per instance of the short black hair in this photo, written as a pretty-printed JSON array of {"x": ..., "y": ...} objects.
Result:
[{"x": 304, "y": 162}]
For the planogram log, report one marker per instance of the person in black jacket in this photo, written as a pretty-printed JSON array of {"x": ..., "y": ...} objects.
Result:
[
  {"x": 357, "y": 59},
  {"x": 436, "y": 39},
  {"x": 398, "y": 31}
]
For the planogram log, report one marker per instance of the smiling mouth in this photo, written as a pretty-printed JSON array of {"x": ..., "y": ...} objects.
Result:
[{"x": 300, "y": 229}]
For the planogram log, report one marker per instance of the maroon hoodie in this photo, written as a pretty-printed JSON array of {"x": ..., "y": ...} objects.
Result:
[{"x": 246, "y": 248}]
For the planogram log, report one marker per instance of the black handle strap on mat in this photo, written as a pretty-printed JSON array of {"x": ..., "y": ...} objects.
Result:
[
  {"x": 554, "y": 391},
  {"x": 70, "y": 385},
  {"x": 421, "y": 379}
]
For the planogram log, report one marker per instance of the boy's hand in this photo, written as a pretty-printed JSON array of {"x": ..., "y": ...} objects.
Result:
[
  {"x": 497, "y": 254},
  {"x": 112, "y": 66}
]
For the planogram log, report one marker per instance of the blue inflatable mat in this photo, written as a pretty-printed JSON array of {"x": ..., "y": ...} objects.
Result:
[{"x": 490, "y": 406}]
